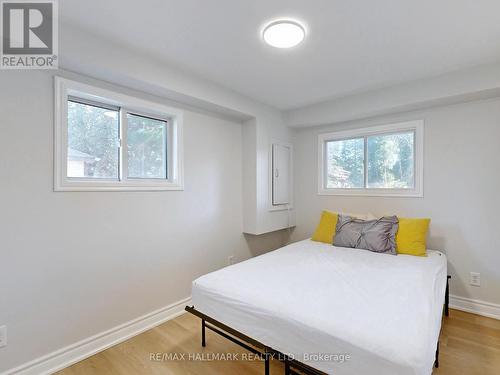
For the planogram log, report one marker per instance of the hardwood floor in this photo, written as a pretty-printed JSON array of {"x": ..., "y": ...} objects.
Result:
[{"x": 470, "y": 345}]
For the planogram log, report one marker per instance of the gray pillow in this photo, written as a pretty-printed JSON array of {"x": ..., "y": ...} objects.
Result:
[{"x": 375, "y": 235}]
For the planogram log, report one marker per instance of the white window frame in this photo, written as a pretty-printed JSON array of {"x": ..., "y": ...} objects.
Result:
[
  {"x": 416, "y": 126},
  {"x": 65, "y": 88}
]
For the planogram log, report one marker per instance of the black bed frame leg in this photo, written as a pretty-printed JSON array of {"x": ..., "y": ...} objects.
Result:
[
  {"x": 266, "y": 362},
  {"x": 447, "y": 297},
  {"x": 203, "y": 342},
  {"x": 436, "y": 362}
]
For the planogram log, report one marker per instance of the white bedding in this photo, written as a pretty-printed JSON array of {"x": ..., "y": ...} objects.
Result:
[{"x": 310, "y": 298}]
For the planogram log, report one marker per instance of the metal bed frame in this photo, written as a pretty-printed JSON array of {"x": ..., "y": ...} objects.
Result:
[{"x": 292, "y": 366}]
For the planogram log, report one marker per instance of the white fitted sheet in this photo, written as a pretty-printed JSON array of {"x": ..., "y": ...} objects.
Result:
[{"x": 310, "y": 297}]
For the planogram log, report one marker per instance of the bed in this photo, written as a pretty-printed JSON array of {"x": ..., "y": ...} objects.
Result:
[{"x": 337, "y": 310}]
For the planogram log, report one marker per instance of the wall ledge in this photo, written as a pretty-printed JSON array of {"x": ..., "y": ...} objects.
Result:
[{"x": 476, "y": 83}]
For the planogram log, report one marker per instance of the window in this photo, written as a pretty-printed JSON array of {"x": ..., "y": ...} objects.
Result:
[
  {"x": 378, "y": 161},
  {"x": 109, "y": 141}
]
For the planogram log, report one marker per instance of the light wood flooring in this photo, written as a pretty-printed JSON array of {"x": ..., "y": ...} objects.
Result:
[{"x": 470, "y": 345}]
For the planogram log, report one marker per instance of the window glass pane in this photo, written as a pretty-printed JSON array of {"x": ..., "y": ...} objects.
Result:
[
  {"x": 390, "y": 161},
  {"x": 345, "y": 163},
  {"x": 93, "y": 134},
  {"x": 147, "y": 147}
]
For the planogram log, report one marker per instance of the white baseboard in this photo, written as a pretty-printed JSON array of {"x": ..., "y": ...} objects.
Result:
[
  {"x": 71, "y": 354},
  {"x": 488, "y": 309}
]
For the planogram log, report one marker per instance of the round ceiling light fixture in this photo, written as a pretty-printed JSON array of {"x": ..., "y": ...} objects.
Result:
[{"x": 284, "y": 33}]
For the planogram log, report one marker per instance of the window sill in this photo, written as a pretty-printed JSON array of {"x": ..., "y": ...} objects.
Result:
[
  {"x": 116, "y": 187},
  {"x": 373, "y": 193}
]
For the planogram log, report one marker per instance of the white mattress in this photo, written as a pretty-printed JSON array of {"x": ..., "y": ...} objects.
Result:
[{"x": 311, "y": 298}]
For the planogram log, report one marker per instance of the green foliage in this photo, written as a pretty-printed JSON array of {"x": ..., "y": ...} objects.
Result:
[
  {"x": 345, "y": 163},
  {"x": 147, "y": 147},
  {"x": 94, "y": 131},
  {"x": 389, "y": 162}
]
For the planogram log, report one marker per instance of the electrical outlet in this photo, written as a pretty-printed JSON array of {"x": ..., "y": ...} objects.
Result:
[
  {"x": 230, "y": 260},
  {"x": 475, "y": 279},
  {"x": 3, "y": 336}
]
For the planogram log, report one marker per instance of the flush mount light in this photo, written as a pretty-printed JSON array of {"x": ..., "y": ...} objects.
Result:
[{"x": 284, "y": 33}]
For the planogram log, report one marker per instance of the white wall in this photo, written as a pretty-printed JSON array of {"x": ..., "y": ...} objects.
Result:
[
  {"x": 461, "y": 185},
  {"x": 76, "y": 264},
  {"x": 103, "y": 59}
]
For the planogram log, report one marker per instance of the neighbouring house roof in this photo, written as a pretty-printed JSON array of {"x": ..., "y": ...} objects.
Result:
[{"x": 76, "y": 155}]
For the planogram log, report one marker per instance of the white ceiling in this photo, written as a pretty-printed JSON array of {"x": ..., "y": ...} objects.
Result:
[{"x": 351, "y": 46}]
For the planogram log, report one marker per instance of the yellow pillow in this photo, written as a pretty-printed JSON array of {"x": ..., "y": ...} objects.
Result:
[
  {"x": 325, "y": 231},
  {"x": 412, "y": 235}
]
